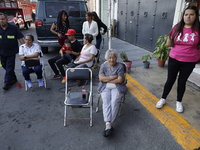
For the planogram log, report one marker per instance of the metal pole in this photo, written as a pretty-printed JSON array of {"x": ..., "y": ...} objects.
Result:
[{"x": 109, "y": 24}]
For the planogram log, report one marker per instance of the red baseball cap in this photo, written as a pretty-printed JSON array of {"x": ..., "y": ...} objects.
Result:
[{"x": 71, "y": 32}]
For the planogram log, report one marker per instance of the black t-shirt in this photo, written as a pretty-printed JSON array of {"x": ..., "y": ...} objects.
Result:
[
  {"x": 76, "y": 47},
  {"x": 9, "y": 40}
]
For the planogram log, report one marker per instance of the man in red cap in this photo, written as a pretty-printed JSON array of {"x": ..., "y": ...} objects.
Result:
[{"x": 60, "y": 61}]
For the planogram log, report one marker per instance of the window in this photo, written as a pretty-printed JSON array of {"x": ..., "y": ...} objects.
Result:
[
  {"x": 10, "y": 14},
  {"x": 52, "y": 9}
]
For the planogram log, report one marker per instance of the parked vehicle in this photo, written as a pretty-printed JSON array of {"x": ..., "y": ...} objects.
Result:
[
  {"x": 18, "y": 12},
  {"x": 47, "y": 12}
]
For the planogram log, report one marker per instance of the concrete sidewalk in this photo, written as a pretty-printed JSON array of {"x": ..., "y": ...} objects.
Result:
[{"x": 153, "y": 80}]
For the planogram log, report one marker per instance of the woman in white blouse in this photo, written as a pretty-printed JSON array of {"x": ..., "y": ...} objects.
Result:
[
  {"x": 30, "y": 51},
  {"x": 90, "y": 26}
]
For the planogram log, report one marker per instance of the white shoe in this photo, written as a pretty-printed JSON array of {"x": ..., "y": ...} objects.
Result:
[
  {"x": 40, "y": 82},
  {"x": 30, "y": 85},
  {"x": 160, "y": 103},
  {"x": 179, "y": 107}
]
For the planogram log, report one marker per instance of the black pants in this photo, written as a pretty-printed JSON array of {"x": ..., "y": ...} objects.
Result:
[
  {"x": 8, "y": 63},
  {"x": 58, "y": 61},
  {"x": 184, "y": 69}
]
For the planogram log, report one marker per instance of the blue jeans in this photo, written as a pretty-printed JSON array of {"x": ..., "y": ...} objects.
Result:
[
  {"x": 67, "y": 56},
  {"x": 98, "y": 43},
  {"x": 26, "y": 71}
]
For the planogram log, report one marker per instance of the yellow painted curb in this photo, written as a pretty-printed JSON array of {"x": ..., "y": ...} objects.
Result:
[{"x": 185, "y": 134}]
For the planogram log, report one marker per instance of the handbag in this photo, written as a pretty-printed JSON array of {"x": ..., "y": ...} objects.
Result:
[{"x": 31, "y": 63}]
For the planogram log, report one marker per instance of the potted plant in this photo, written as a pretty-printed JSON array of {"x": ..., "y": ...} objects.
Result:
[
  {"x": 124, "y": 58},
  {"x": 145, "y": 60},
  {"x": 162, "y": 50}
]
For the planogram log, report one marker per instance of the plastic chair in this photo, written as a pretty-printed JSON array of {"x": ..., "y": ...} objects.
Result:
[
  {"x": 122, "y": 98},
  {"x": 75, "y": 99},
  {"x": 43, "y": 72}
]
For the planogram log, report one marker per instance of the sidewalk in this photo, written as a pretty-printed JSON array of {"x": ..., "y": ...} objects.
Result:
[{"x": 152, "y": 80}]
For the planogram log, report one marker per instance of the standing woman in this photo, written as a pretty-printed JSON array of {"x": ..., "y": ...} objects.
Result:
[
  {"x": 100, "y": 25},
  {"x": 184, "y": 41},
  {"x": 90, "y": 27},
  {"x": 60, "y": 26}
]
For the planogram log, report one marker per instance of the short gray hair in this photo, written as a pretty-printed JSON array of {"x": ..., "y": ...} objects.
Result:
[{"x": 111, "y": 51}]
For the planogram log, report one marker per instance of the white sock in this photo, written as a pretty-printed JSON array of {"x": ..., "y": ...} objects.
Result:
[
  {"x": 108, "y": 125},
  {"x": 29, "y": 83},
  {"x": 40, "y": 82}
]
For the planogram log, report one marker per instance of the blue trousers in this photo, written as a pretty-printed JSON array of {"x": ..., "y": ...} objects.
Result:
[
  {"x": 26, "y": 71},
  {"x": 98, "y": 43},
  {"x": 8, "y": 63}
]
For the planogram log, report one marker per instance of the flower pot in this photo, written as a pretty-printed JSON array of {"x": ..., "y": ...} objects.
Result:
[
  {"x": 128, "y": 64},
  {"x": 161, "y": 63},
  {"x": 146, "y": 64}
]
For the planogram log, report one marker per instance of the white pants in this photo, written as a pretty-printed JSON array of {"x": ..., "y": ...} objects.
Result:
[{"x": 111, "y": 100}]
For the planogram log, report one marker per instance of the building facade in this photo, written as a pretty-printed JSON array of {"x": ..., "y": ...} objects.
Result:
[{"x": 141, "y": 22}]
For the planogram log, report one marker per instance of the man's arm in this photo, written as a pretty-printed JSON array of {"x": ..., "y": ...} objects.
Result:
[{"x": 21, "y": 40}]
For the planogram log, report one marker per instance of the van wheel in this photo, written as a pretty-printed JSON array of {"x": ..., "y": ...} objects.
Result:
[
  {"x": 26, "y": 25},
  {"x": 44, "y": 50}
]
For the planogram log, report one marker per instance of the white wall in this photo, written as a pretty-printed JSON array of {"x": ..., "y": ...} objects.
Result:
[{"x": 178, "y": 11}]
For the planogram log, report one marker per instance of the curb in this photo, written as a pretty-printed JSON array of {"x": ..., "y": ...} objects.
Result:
[{"x": 185, "y": 134}]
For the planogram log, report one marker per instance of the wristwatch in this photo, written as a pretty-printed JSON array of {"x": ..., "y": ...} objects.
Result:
[{"x": 24, "y": 57}]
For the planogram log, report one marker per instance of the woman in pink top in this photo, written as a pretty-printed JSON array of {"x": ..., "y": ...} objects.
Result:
[{"x": 184, "y": 42}]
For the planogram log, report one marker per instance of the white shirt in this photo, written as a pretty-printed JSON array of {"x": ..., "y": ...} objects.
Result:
[
  {"x": 25, "y": 50},
  {"x": 92, "y": 29},
  {"x": 86, "y": 53}
]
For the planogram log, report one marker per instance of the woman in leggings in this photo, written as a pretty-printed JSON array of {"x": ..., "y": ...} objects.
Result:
[{"x": 184, "y": 42}]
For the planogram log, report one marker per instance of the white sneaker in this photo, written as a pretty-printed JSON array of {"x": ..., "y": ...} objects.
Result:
[
  {"x": 160, "y": 103},
  {"x": 40, "y": 82},
  {"x": 30, "y": 85},
  {"x": 179, "y": 107}
]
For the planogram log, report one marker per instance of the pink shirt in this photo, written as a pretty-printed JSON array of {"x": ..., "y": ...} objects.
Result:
[{"x": 185, "y": 47}]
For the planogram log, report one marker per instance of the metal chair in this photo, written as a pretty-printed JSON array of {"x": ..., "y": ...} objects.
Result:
[
  {"x": 75, "y": 99},
  {"x": 43, "y": 72},
  {"x": 122, "y": 98},
  {"x": 95, "y": 62}
]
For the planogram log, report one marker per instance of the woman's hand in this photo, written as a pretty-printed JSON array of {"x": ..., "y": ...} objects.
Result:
[
  {"x": 60, "y": 35},
  {"x": 36, "y": 59}
]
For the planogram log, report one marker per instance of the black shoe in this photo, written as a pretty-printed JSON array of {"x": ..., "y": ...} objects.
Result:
[
  {"x": 107, "y": 132},
  {"x": 6, "y": 87},
  {"x": 13, "y": 82}
]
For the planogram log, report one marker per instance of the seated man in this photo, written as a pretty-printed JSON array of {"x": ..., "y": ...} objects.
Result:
[{"x": 59, "y": 61}]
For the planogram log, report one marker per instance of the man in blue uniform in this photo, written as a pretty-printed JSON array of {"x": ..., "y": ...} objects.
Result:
[{"x": 8, "y": 49}]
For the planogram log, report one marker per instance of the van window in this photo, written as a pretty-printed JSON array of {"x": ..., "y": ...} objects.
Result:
[
  {"x": 52, "y": 9},
  {"x": 10, "y": 14}
]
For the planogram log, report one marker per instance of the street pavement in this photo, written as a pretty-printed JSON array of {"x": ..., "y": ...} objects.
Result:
[{"x": 34, "y": 119}]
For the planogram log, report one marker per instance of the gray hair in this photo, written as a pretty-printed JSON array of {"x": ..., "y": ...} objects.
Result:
[
  {"x": 3, "y": 14},
  {"x": 111, "y": 51}
]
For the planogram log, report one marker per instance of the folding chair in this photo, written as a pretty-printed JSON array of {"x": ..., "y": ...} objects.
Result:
[
  {"x": 75, "y": 99},
  {"x": 43, "y": 73},
  {"x": 122, "y": 98},
  {"x": 95, "y": 62}
]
